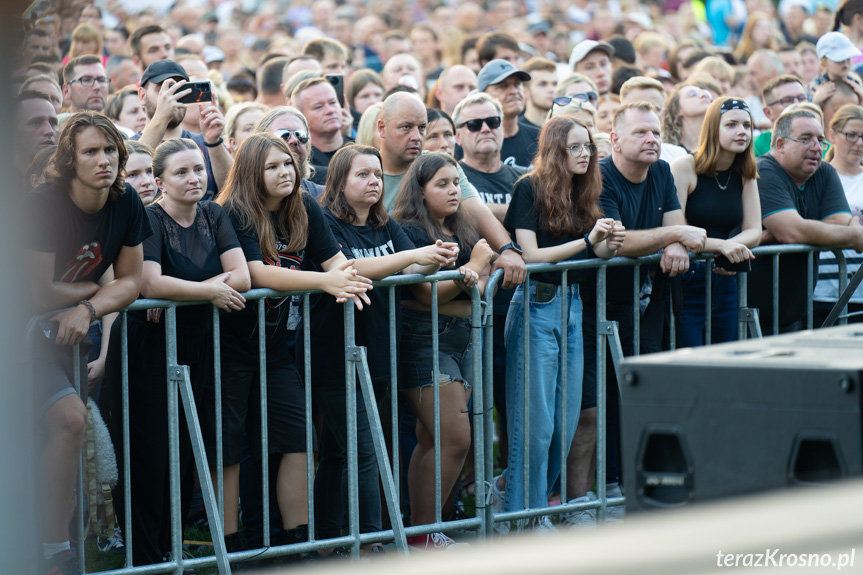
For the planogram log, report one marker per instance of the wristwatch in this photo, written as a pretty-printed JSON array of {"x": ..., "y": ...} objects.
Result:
[{"x": 512, "y": 246}]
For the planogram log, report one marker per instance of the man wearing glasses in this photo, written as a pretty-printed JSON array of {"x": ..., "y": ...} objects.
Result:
[
  {"x": 777, "y": 94},
  {"x": 802, "y": 202},
  {"x": 85, "y": 84}
]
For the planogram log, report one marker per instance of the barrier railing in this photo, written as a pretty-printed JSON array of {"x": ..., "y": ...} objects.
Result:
[{"x": 357, "y": 378}]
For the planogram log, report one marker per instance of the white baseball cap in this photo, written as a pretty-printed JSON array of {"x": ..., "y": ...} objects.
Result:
[
  {"x": 585, "y": 47},
  {"x": 836, "y": 47}
]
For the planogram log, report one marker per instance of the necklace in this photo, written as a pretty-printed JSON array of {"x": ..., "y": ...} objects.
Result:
[{"x": 728, "y": 181}]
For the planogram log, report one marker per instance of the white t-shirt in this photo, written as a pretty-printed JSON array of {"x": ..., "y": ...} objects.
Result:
[
  {"x": 670, "y": 152},
  {"x": 827, "y": 288}
]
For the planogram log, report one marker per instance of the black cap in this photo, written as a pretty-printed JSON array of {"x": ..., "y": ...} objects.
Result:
[
  {"x": 623, "y": 49},
  {"x": 161, "y": 70}
]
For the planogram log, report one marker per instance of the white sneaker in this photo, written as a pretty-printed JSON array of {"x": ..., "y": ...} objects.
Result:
[
  {"x": 616, "y": 513},
  {"x": 434, "y": 542},
  {"x": 584, "y": 519},
  {"x": 113, "y": 544},
  {"x": 542, "y": 525},
  {"x": 498, "y": 505}
]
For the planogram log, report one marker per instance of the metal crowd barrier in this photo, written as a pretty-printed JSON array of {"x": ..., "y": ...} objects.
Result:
[{"x": 357, "y": 373}]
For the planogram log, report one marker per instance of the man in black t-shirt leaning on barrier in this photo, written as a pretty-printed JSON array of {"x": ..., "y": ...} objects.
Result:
[
  {"x": 84, "y": 220},
  {"x": 802, "y": 202}
]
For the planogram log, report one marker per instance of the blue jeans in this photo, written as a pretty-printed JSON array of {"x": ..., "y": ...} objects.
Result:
[
  {"x": 724, "y": 305},
  {"x": 545, "y": 430}
]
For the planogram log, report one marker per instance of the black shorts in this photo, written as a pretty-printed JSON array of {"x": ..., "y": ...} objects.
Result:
[
  {"x": 53, "y": 373},
  {"x": 241, "y": 411}
]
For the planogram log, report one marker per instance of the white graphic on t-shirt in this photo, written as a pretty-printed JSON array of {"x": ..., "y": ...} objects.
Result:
[{"x": 383, "y": 250}]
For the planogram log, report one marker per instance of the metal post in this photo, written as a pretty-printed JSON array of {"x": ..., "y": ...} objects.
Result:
[
  {"x": 307, "y": 391},
  {"x": 81, "y": 388},
  {"x": 601, "y": 403},
  {"x": 265, "y": 448},
  {"x": 564, "y": 381},
  {"x": 217, "y": 376},
  {"x": 173, "y": 439},
  {"x": 438, "y": 497},
  {"x": 708, "y": 300},
  {"x": 775, "y": 294},
  {"x": 809, "y": 288},
  {"x": 478, "y": 404},
  {"x": 525, "y": 468},
  {"x": 351, "y": 407},
  {"x": 127, "y": 456}
]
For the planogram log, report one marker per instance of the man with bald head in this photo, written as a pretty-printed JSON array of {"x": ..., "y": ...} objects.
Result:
[
  {"x": 455, "y": 83},
  {"x": 404, "y": 70},
  {"x": 402, "y": 128}
]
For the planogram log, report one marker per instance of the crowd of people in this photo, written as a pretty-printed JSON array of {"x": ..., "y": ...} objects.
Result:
[{"x": 193, "y": 150}]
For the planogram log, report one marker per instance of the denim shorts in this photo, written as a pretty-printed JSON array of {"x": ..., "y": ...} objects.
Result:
[{"x": 416, "y": 369}]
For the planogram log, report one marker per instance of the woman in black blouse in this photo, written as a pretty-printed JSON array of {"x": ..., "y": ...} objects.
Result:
[
  {"x": 354, "y": 208},
  {"x": 282, "y": 232},
  {"x": 193, "y": 255}
]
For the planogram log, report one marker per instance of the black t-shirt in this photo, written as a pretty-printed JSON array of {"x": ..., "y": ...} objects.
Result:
[
  {"x": 526, "y": 215},
  {"x": 372, "y": 322},
  {"x": 822, "y": 196},
  {"x": 85, "y": 245},
  {"x": 191, "y": 253},
  {"x": 495, "y": 188},
  {"x": 518, "y": 150},
  {"x": 240, "y": 329},
  {"x": 419, "y": 238},
  {"x": 320, "y": 161},
  {"x": 638, "y": 206}
]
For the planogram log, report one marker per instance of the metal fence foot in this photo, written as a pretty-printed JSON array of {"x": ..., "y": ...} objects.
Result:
[
  {"x": 358, "y": 355},
  {"x": 180, "y": 375},
  {"x": 748, "y": 316}
]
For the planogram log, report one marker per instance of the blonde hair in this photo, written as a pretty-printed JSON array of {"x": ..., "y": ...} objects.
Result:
[
  {"x": 716, "y": 67},
  {"x": 369, "y": 124},
  {"x": 641, "y": 83},
  {"x": 572, "y": 79},
  {"x": 842, "y": 116},
  {"x": 84, "y": 34},
  {"x": 647, "y": 40}
]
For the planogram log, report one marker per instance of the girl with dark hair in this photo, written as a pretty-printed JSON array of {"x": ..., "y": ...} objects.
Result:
[
  {"x": 280, "y": 229},
  {"x": 427, "y": 206},
  {"x": 849, "y": 20},
  {"x": 139, "y": 171},
  {"x": 717, "y": 191},
  {"x": 440, "y": 132},
  {"x": 193, "y": 255},
  {"x": 353, "y": 206},
  {"x": 555, "y": 216}
]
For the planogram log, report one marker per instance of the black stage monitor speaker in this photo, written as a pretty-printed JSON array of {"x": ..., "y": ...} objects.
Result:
[{"x": 743, "y": 417}]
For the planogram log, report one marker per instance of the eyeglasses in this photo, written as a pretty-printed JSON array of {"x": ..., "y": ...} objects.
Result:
[
  {"x": 591, "y": 97},
  {"x": 851, "y": 137},
  {"x": 301, "y": 136},
  {"x": 576, "y": 149},
  {"x": 88, "y": 81},
  {"x": 492, "y": 122},
  {"x": 698, "y": 92},
  {"x": 812, "y": 141},
  {"x": 788, "y": 100}
]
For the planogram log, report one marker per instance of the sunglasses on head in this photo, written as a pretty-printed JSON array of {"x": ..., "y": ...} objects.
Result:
[
  {"x": 492, "y": 122},
  {"x": 591, "y": 97},
  {"x": 301, "y": 136}
]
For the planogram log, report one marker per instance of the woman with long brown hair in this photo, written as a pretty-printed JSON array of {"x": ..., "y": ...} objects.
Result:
[
  {"x": 555, "y": 216},
  {"x": 279, "y": 228},
  {"x": 427, "y": 207},
  {"x": 717, "y": 191}
]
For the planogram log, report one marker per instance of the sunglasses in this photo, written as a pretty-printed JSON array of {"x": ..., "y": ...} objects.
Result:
[
  {"x": 301, "y": 136},
  {"x": 591, "y": 97},
  {"x": 492, "y": 122}
]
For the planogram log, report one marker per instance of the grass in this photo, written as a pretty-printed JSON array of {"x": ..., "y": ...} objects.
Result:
[{"x": 197, "y": 542}]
